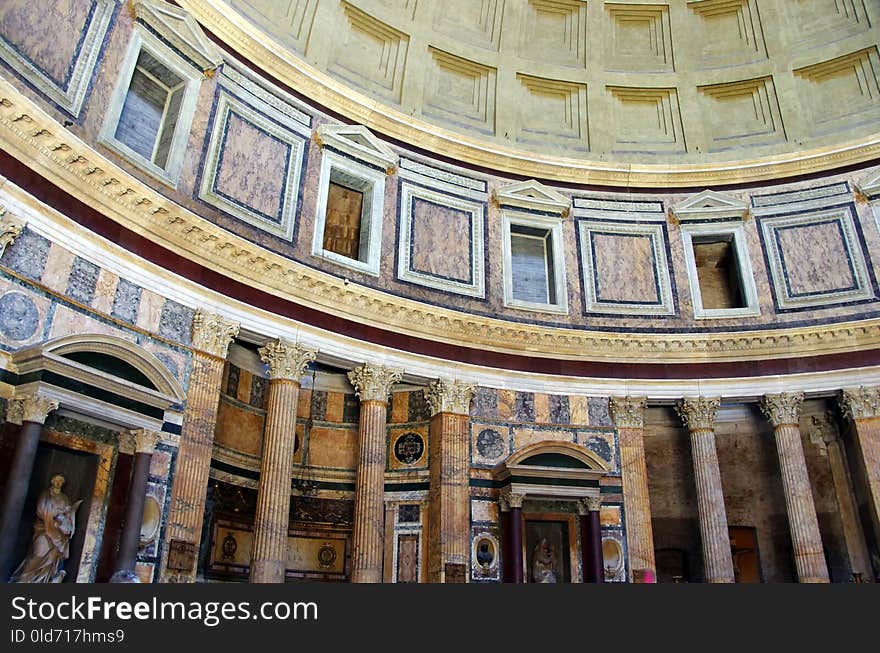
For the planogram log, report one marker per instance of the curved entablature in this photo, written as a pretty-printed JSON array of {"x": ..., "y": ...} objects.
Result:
[{"x": 584, "y": 92}]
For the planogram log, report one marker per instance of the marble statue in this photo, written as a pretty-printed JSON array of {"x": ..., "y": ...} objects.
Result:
[
  {"x": 543, "y": 562},
  {"x": 50, "y": 544}
]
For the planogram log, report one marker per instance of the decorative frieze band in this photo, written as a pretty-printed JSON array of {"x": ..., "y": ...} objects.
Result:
[
  {"x": 212, "y": 333},
  {"x": 145, "y": 440},
  {"x": 286, "y": 360},
  {"x": 628, "y": 412},
  {"x": 782, "y": 408},
  {"x": 448, "y": 396},
  {"x": 373, "y": 382},
  {"x": 698, "y": 413},
  {"x": 30, "y": 408},
  {"x": 860, "y": 403}
]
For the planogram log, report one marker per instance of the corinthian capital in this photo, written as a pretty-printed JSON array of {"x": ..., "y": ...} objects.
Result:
[
  {"x": 145, "y": 440},
  {"x": 9, "y": 231},
  {"x": 698, "y": 413},
  {"x": 30, "y": 408},
  {"x": 628, "y": 412},
  {"x": 783, "y": 408},
  {"x": 373, "y": 382},
  {"x": 212, "y": 333},
  {"x": 860, "y": 403},
  {"x": 286, "y": 360},
  {"x": 447, "y": 396}
]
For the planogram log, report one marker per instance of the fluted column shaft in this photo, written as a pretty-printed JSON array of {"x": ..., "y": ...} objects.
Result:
[
  {"x": 698, "y": 415},
  {"x": 29, "y": 412},
  {"x": 629, "y": 418},
  {"x": 211, "y": 337},
  {"x": 144, "y": 444},
  {"x": 287, "y": 363},
  {"x": 862, "y": 405},
  {"x": 448, "y": 505},
  {"x": 373, "y": 385},
  {"x": 369, "y": 523},
  {"x": 782, "y": 410}
]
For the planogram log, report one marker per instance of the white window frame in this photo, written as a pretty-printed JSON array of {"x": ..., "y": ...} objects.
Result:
[
  {"x": 746, "y": 275},
  {"x": 143, "y": 40},
  {"x": 375, "y": 185},
  {"x": 553, "y": 224}
]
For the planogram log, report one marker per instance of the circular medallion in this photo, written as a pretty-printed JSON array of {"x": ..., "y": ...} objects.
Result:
[
  {"x": 490, "y": 444},
  {"x": 19, "y": 317},
  {"x": 230, "y": 546},
  {"x": 326, "y": 556},
  {"x": 408, "y": 448}
]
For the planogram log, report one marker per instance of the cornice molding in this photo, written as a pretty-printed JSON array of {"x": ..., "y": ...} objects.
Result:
[{"x": 30, "y": 135}]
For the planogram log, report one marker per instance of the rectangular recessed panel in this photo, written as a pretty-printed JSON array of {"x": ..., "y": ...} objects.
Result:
[
  {"x": 342, "y": 226},
  {"x": 529, "y": 266}
]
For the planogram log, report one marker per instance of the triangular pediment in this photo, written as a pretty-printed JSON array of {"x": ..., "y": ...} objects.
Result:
[
  {"x": 181, "y": 31},
  {"x": 358, "y": 142},
  {"x": 534, "y": 196},
  {"x": 710, "y": 205},
  {"x": 870, "y": 186}
]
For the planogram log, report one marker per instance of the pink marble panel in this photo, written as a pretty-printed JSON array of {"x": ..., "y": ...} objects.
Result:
[
  {"x": 815, "y": 258},
  {"x": 624, "y": 268},
  {"x": 440, "y": 241}
]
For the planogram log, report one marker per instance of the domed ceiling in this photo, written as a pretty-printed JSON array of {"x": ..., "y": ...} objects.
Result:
[{"x": 622, "y": 93}]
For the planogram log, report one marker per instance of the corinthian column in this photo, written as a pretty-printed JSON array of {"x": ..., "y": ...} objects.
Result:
[
  {"x": 698, "y": 415},
  {"x": 629, "y": 418},
  {"x": 825, "y": 431},
  {"x": 287, "y": 363},
  {"x": 210, "y": 340},
  {"x": 29, "y": 412},
  {"x": 862, "y": 406},
  {"x": 372, "y": 383},
  {"x": 144, "y": 443},
  {"x": 449, "y": 505},
  {"x": 782, "y": 410}
]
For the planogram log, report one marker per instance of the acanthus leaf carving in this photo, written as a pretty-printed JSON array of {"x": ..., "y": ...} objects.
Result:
[
  {"x": 373, "y": 382},
  {"x": 286, "y": 360},
  {"x": 448, "y": 396}
]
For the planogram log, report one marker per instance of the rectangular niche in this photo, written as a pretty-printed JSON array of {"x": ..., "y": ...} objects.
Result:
[
  {"x": 726, "y": 32},
  {"x": 348, "y": 225},
  {"x": 534, "y": 268},
  {"x": 554, "y": 31},
  {"x": 264, "y": 195},
  {"x": 639, "y": 38},
  {"x": 625, "y": 268},
  {"x": 719, "y": 271},
  {"x": 816, "y": 259},
  {"x": 460, "y": 91},
  {"x": 441, "y": 241},
  {"x": 552, "y": 111}
]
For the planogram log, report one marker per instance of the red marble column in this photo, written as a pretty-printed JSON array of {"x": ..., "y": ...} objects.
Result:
[
  {"x": 373, "y": 385},
  {"x": 30, "y": 412},
  {"x": 449, "y": 501},
  {"x": 287, "y": 363},
  {"x": 698, "y": 414},
  {"x": 210, "y": 341},
  {"x": 144, "y": 443},
  {"x": 513, "y": 564},
  {"x": 782, "y": 410},
  {"x": 629, "y": 418},
  {"x": 591, "y": 540}
]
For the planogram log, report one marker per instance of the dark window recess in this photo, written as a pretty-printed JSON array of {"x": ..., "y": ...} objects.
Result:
[
  {"x": 408, "y": 513},
  {"x": 111, "y": 365},
  {"x": 718, "y": 273},
  {"x": 531, "y": 265},
  {"x": 342, "y": 226},
  {"x": 151, "y": 109}
]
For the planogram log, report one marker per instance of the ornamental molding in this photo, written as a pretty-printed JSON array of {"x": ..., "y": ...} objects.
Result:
[
  {"x": 212, "y": 333},
  {"x": 144, "y": 440},
  {"x": 710, "y": 205},
  {"x": 286, "y": 360},
  {"x": 179, "y": 28},
  {"x": 628, "y": 412},
  {"x": 448, "y": 396},
  {"x": 698, "y": 413},
  {"x": 30, "y": 135},
  {"x": 357, "y": 142},
  {"x": 30, "y": 408},
  {"x": 533, "y": 196},
  {"x": 373, "y": 382},
  {"x": 782, "y": 408},
  {"x": 9, "y": 230},
  {"x": 861, "y": 402}
]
